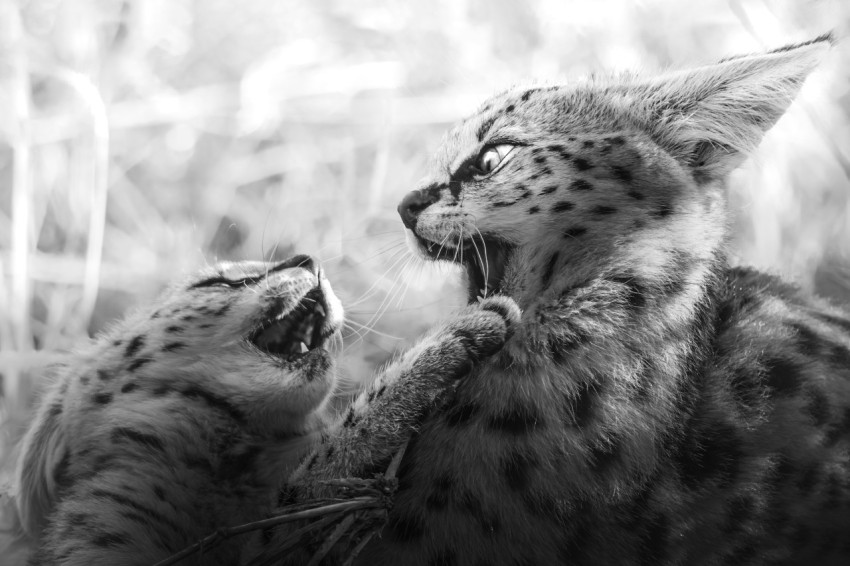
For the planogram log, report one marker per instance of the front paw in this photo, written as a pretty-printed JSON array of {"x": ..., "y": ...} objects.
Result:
[{"x": 485, "y": 326}]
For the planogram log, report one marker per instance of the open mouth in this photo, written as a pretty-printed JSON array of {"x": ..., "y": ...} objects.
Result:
[
  {"x": 484, "y": 260},
  {"x": 295, "y": 334}
]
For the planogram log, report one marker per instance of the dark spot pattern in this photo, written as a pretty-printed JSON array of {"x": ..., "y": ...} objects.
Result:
[
  {"x": 580, "y": 185},
  {"x": 559, "y": 345},
  {"x": 623, "y": 174},
  {"x": 782, "y": 375},
  {"x": 159, "y": 492},
  {"x": 461, "y": 413},
  {"x": 839, "y": 355},
  {"x": 563, "y": 205},
  {"x": 809, "y": 341},
  {"x": 103, "y": 375},
  {"x": 603, "y": 455},
  {"x": 808, "y": 479},
  {"x": 635, "y": 292},
  {"x": 582, "y": 164},
  {"x": 239, "y": 463},
  {"x": 741, "y": 510},
  {"x": 818, "y": 407},
  {"x": 119, "y": 434},
  {"x": 574, "y": 232},
  {"x": 549, "y": 190},
  {"x": 550, "y": 270},
  {"x": 469, "y": 503},
  {"x": 147, "y": 512},
  {"x": 603, "y": 210},
  {"x": 518, "y": 419},
  {"x": 134, "y": 346},
  {"x": 172, "y": 346},
  {"x": 102, "y": 398},
  {"x": 137, "y": 363},
  {"x": 214, "y": 401},
  {"x": 663, "y": 211},
  {"x": 62, "y": 471},
  {"x": 438, "y": 498},
  {"x": 841, "y": 323},
  {"x": 840, "y": 429},
  {"x": 534, "y": 209},
  {"x": 635, "y": 195},
  {"x": 485, "y": 127},
  {"x": 709, "y": 452},
  {"x": 174, "y": 329},
  {"x": 110, "y": 540},
  {"x": 404, "y": 527},
  {"x": 517, "y": 468},
  {"x": 580, "y": 406}
]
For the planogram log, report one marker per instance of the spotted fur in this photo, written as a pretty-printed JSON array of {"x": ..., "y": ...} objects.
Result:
[
  {"x": 179, "y": 421},
  {"x": 654, "y": 405}
]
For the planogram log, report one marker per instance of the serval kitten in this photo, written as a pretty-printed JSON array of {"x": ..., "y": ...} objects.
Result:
[
  {"x": 654, "y": 405},
  {"x": 187, "y": 416}
]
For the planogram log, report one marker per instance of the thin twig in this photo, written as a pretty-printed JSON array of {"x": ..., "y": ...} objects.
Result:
[
  {"x": 222, "y": 534},
  {"x": 396, "y": 461},
  {"x": 357, "y": 549},
  {"x": 271, "y": 556},
  {"x": 340, "y": 530}
]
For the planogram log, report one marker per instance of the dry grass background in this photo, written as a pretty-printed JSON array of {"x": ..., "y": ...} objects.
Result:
[{"x": 140, "y": 139}]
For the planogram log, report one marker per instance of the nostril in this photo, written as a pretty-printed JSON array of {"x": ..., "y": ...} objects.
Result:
[{"x": 414, "y": 203}]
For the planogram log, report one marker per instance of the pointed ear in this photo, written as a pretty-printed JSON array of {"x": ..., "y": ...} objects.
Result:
[{"x": 710, "y": 117}]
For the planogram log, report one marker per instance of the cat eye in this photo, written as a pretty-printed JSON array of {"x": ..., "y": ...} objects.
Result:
[
  {"x": 223, "y": 282},
  {"x": 491, "y": 158}
]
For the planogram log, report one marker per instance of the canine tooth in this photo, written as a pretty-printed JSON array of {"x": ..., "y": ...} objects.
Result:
[
  {"x": 320, "y": 310},
  {"x": 304, "y": 348}
]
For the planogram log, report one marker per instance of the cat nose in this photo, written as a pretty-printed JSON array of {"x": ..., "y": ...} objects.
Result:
[
  {"x": 415, "y": 202},
  {"x": 304, "y": 261}
]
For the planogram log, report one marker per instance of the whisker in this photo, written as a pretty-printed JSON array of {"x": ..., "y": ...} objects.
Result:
[
  {"x": 397, "y": 258},
  {"x": 481, "y": 261},
  {"x": 372, "y": 330},
  {"x": 486, "y": 262}
]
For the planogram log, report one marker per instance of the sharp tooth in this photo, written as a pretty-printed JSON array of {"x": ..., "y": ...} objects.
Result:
[
  {"x": 304, "y": 348},
  {"x": 320, "y": 310}
]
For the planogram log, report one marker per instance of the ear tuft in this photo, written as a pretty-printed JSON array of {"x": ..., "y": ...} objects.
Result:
[{"x": 710, "y": 117}]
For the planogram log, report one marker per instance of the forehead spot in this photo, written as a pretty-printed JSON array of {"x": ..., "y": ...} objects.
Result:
[{"x": 485, "y": 127}]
